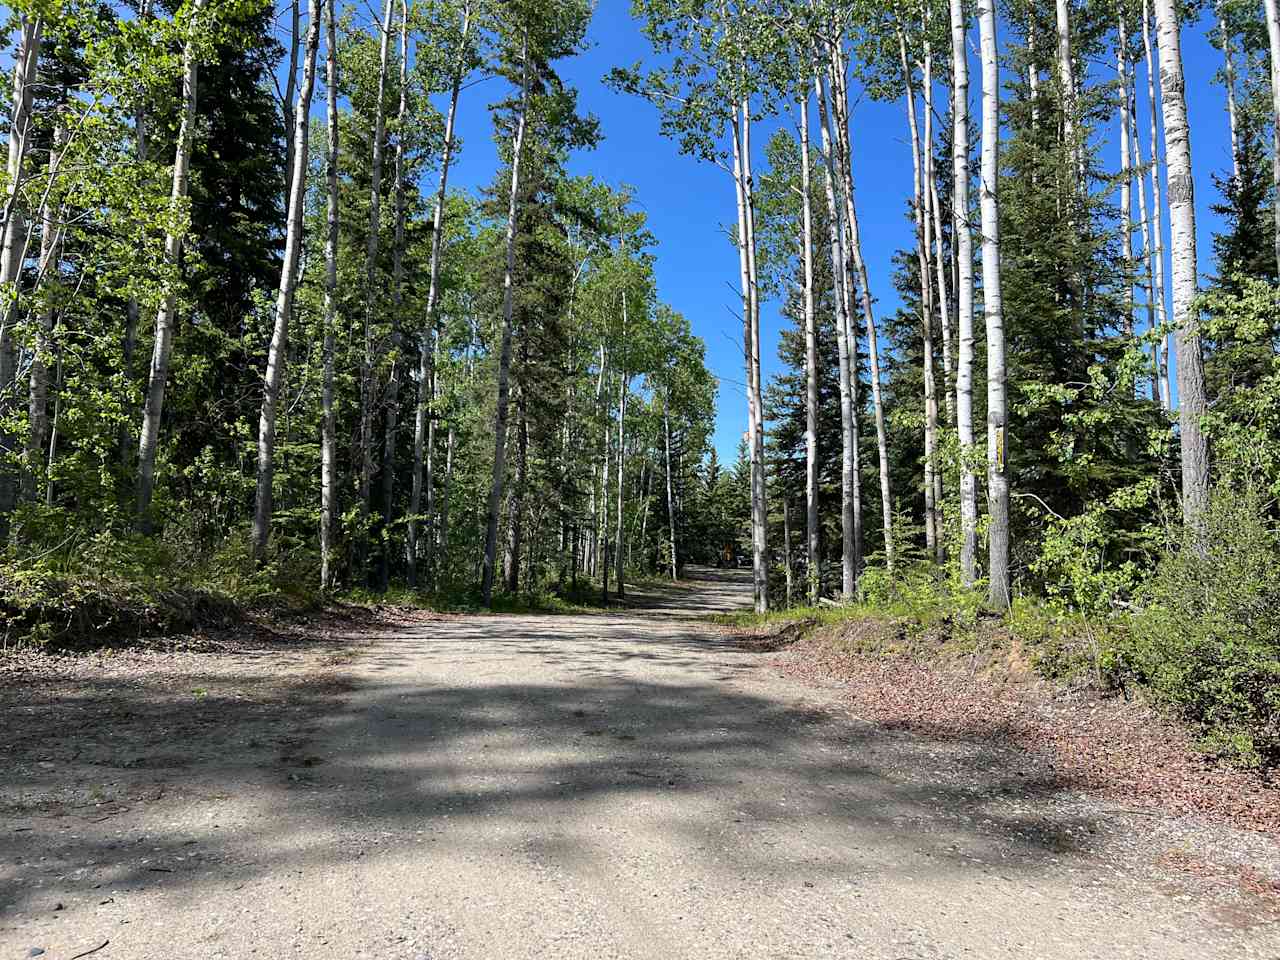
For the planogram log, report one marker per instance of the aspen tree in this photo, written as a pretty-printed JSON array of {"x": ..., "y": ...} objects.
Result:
[
  {"x": 277, "y": 354},
  {"x": 153, "y": 407},
  {"x": 1183, "y": 267},
  {"x": 964, "y": 293},
  {"x": 328, "y": 428},
  {"x": 997, "y": 410},
  {"x": 504, "y": 354},
  {"x": 426, "y": 372},
  {"x": 370, "y": 291}
]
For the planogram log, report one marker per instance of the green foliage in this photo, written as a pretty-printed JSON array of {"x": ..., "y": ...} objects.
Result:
[{"x": 1207, "y": 641}]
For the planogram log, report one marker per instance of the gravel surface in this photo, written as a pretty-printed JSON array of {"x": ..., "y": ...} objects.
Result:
[{"x": 631, "y": 784}]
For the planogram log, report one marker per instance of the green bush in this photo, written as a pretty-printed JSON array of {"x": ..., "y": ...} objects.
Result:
[{"x": 1207, "y": 639}]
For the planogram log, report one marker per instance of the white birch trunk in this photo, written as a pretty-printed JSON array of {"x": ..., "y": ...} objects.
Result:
[
  {"x": 370, "y": 287},
  {"x": 849, "y": 515},
  {"x": 1273, "y": 44},
  {"x": 924, "y": 230},
  {"x": 1126, "y": 172},
  {"x": 997, "y": 482},
  {"x": 1066, "y": 79},
  {"x": 1182, "y": 249},
  {"x": 964, "y": 295},
  {"x": 1148, "y": 265},
  {"x": 504, "y": 354},
  {"x": 759, "y": 503},
  {"x": 423, "y": 414},
  {"x": 392, "y": 397},
  {"x": 841, "y": 110},
  {"x": 1229, "y": 76},
  {"x": 328, "y": 439},
  {"x": 1157, "y": 214},
  {"x": 278, "y": 353},
  {"x": 13, "y": 251},
  {"x": 671, "y": 500},
  {"x": 153, "y": 407},
  {"x": 812, "y": 521}
]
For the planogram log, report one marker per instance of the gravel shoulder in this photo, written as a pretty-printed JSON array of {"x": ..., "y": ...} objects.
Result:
[{"x": 629, "y": 784}]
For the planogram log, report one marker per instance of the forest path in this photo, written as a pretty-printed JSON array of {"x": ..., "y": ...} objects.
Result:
[{"x": 630, "y": 784}]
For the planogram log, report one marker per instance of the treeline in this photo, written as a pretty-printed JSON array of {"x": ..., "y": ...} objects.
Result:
[
  {"x": 252, "y": 338},
  {"x": 1051, "y": 420}
]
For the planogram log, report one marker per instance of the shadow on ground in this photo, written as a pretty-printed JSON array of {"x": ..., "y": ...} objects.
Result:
[{"x": 197, "y": 778}]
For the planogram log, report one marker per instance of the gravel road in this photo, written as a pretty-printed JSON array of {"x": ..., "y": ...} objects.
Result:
[{"x": 629, "y": 784}]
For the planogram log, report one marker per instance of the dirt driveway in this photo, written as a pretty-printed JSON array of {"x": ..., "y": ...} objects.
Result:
[{"x": 629, "y": 784}]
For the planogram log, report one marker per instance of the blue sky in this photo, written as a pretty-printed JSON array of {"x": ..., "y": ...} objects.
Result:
[{"x": 689, "y": 203}]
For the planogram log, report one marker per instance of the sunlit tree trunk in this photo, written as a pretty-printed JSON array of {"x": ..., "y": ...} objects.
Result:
[
  {"x": 153, "y": 408},
  {"x": 751, "y": 350},
  {"x": 997, "y": 481},
  {"x": 841, "y": 118},
  {"x": 133, "y": 310},
  {"x": 1066, "y": 80},
  {"x": 1229, "y": 78},
  {"x": 13, "y": 251},
  {"x": 924, "y": 233},
  {"x": 426, "y": 375},
  {"x": 1273, "y": 43},
  {"x": 38, "y": 428},
  {"x": 1147, "y": 270},
  {"x": 328, "y": 438},
  {"x": 812, "y": 521},
  {"x": 671, "y": 500},
  {"x": 1126, "y": 172},
  {"x": 370, "y": 294},
  {"x": 1157, "y": 222},
  {"x": 850, "y": 516},
  {"x": 504, "y": 353},
  {"x": 392, "y": 398},
  {"x": 964, "y": 295},
  {"x": 278, "y": 353},
  {"x": 1183, "y": 266}
]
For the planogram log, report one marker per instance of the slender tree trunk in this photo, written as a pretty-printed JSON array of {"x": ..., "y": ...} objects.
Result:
[
  {"x": 133, "y": 311},
  {"x": 1066, "y": 79},
  {"x": 997, "y": 452},
  {"x": 1182, "y": 248},
  {"x": 1126, "y": 172},
  {"x": 841, "y": 111},
  {"x": 1229, "y": 76},
  {"x": 423, "y": 414},
  {"x": 1154, "y": 112},
  {"x": 786, "y": 543},
  {"x": 619, "y": 540},
  {"x": 1273, "y": 43},
  {"x": 287, "y": 107},
  {"x": 671, "y": 500},
  {"x": 759, "y": 503},
  {"x": 504, "y": 354},
  {"x": 924, "y": 233},
  {"x": 13, "y": 251},
  {"x": 442, "y": 551},
  {"x": 370, "y": 293},
  {"x": 812, "y": 528},
  {"x": 153, "y": 408},
  {"x": 933, "y": 232},
  {"x": 278, "y": 353},
  {"x": 516, "y": 508},
  {"x": 392, "y": 399},
  {"x": 38, "y": 428},
  {"x": 849, "y": 514},
  {"x": 751, "y": 350},
  {"x": 1148, "y": 265},
  {"x": 940, "y": 268},
  {"x": 53, "y": 433},
  {"x": 328, "y": 431},
  {"x": 964, "y": 295}
]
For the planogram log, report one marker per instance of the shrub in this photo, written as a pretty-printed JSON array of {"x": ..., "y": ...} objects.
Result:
[{"x": 1207, "y": 640}]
